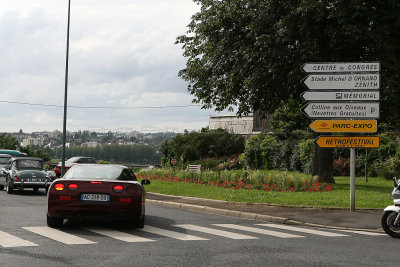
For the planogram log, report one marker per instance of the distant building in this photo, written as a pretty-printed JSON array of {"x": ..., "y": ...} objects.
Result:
[
  {"x": 90, "y": 144},
  {"x": 33, "y": 141},
  {"x": 245, "y": 125}
]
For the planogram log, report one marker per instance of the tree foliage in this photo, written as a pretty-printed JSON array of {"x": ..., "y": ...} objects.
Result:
[
  {"x": 191, "y": 146},
  {"x": 248, "y": 53},
  {"x": 8, "y": 142},
  {"x": 115, "y": 153}
]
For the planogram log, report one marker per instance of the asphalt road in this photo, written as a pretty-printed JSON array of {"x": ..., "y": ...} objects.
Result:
[{"x": 175, "y": 237}]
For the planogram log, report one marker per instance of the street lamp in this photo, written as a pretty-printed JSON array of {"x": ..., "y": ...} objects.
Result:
[{"x": 65, "y": 95}]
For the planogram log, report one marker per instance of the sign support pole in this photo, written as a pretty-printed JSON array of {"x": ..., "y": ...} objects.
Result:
[{"x": 352, "y": 179}]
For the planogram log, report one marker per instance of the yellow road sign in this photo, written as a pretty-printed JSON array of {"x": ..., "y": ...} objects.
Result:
[
  {"x": 344, "y": 126},
  {"x": 348, "y": 141}
]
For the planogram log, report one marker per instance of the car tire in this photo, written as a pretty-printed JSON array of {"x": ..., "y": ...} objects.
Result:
[
  {"x": 54, "y": 221},
  {"x": 1, "y": 187},
  {"x": 139, "y": 223},
  {"x": 10, "y": 189}
]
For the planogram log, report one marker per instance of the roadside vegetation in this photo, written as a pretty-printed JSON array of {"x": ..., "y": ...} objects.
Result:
[
  {"x": 275, "y": 168},
  {"x": 374, "y": 194}
]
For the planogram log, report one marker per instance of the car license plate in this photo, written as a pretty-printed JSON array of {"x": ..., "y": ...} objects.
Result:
[
  {"x": 95, "y": 197},
  {"x": 34, "y": 179}
]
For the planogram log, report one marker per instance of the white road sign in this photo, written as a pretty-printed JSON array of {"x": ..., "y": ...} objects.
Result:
[
  {"x": 341, "y": 95},
  {"x": 341, "y": 110},
  {"x": 330, "y": 67},
  {"x": 342, "y": 81}
]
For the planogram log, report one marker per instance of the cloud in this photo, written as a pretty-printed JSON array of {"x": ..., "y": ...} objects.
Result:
[{"x": 122, "y": 53}]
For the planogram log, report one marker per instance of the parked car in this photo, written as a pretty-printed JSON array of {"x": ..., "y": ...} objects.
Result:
[
  {"x": 13, "y": 153},
  {"x": 4, "y": 160},
  {"x": 25, "y": 172},
  {"x": 97, "y": 192},
  {"x": 73, "y": 161}
]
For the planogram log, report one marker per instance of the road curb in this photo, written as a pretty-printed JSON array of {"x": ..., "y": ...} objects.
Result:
[{"x": 250, "y": 216}]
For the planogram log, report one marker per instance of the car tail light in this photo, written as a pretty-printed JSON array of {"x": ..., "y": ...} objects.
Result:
[
  {"x": 15, "y": 178},
  {"x": 59, "y": 187},
  {"x": 65, "y": 197},
  {"x": 118, "y": 188},
  {"x": 125, "y": 200},
  {"x": 132, "y": 189},
  {"x": 73, "y": 187},
  {"x": 95, "y": 182}
]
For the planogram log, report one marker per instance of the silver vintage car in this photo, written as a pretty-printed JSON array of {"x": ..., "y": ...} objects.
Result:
[{"x": 25, "y": 172}]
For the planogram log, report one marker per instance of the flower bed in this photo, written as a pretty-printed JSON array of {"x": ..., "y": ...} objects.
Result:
[{"x": 255, "y": 180}]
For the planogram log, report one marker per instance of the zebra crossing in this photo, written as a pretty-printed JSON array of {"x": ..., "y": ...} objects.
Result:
[{"x": 226, "y": 231}]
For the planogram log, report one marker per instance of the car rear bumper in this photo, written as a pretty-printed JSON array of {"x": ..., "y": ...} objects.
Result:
[
  {"x": 87, "y": 211},
  {"x": 30, "y": 184}
]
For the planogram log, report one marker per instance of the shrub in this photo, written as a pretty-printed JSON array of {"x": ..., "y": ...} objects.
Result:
[
  {"x": 295, "y": 162},
  {"x": 341, "y": 167},
  {"x": 390, "y": 168},
  {"x": 268, "y": 148},
  {"x": 252, "y": 152},
  {"x": 306, "y": 154}
]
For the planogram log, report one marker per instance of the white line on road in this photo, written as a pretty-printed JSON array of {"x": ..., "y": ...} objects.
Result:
[
  {"x": 175, "y": 235},
  {"x": 259, "y": 231},
  {"x": 359, "y": 232},
  {"x": 58, "y": 235},
  {"x": 302, "y": 230},
  {"x": 10, "y": 241},
  {"x": 118, "y": 235},
  {"x": 214, "y": 231}
]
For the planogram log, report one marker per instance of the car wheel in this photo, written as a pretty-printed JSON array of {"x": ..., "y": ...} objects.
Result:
[
  {"x": 1, "y": 187},
  {"x": 54, "y": 221},
  {"x": 10, "y": 189},
  {"x": 139, "y": 223}
]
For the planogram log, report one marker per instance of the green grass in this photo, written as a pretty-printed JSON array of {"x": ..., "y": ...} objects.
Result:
[{"x": 374, "y": 194}]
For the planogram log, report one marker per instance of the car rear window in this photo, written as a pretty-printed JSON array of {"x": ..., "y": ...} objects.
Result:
[
  {"x": 29, "y": 164},
  {"x": 4, "y": 160},
  {"x": 108, "y": 172}
]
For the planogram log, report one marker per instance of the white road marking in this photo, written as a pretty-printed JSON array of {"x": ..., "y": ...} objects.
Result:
[
  {"x": 359, "y": 232},
  {"x": 302, "y": 230},
  {"x": 58, "y": 235},
  {"x": 118, "y": 235},
  {"x": 259, "y": 231},
  {"x": 214, "y": 231},
  {"x": 10, "y": 241},
  {"x": 175, "y": 235}
]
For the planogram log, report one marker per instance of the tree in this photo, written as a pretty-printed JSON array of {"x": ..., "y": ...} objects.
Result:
[
  {"x": 207, "y": 143},
  {"x": 247, "y": 54},
  {"x": 8, "y": 142}
]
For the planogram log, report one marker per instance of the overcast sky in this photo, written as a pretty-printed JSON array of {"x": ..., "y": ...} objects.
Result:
[{"x": 122, "y": 53}]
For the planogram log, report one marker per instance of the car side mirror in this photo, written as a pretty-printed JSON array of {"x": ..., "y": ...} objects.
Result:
[{"x": 145, "y": 182}]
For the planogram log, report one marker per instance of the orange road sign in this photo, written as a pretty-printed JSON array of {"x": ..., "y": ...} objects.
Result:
[
  {"x": 344, "y": 126},
  {"x": 348, "y": 141}
]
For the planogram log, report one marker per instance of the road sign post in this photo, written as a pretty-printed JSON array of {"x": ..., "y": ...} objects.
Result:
[
  {"x": 352, "y": 179},
  {"x": 334, "y": 67},
  {"x": 347, "y": 141},
  {"x": 348, "y": 110},
  {"x": 343, "y": 90},
  {"x": 341, "y": 95},
  {"x": 344, "y": 126}
]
